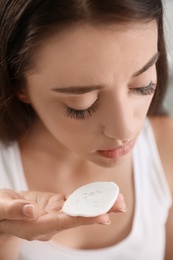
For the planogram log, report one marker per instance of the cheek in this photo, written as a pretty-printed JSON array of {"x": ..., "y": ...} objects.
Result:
[
  {"x": 73, "y": 135},
  {"x": 77, "y": 135},
  {"x": 143, "y": 103},
  {"x": 142, "y": 111},
  {"x": 148, "y": 102}
]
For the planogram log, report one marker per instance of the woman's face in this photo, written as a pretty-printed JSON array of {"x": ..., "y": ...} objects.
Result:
[{"x": 92, "y": 87}]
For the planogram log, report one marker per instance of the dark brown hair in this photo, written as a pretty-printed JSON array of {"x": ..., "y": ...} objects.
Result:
[{"x": 23, "y": 23}]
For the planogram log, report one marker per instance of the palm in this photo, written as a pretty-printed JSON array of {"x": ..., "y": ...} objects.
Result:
[{"x": 46, "y": 202}]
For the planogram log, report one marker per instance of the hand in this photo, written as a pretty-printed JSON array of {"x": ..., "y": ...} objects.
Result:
[{"x": 38, "y": 216}]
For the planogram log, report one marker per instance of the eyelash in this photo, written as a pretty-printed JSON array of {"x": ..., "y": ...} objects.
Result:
[
  {"x": 148, "y": 90},
  {"x": 81, "y": 114}
]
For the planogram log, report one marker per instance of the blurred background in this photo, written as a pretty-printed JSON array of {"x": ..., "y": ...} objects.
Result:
[{"x": 168, "y": 18}]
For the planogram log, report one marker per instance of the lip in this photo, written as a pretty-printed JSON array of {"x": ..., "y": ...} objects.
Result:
[{"x": 117, "y": 152}]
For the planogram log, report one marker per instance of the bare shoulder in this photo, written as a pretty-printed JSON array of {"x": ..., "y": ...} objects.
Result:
[
  {"x": 163, "y": 130},
  {"x": 162, "y": 124}
]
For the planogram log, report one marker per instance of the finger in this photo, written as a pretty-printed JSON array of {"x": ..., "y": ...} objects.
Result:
[
  {"x": 119, "y": 205},
  {"x": 57, "y": 222},
  {"x": 55, "y": 203},
  {"x": 47, "y": 225},
  {"x": 17, "y": 209}
]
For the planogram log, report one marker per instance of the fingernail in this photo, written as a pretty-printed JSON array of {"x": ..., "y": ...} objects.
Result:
[
  {"x": 105, "y": 222},
  {"x": 122, "y": 210},
  {"x": 28, "y": 211}
]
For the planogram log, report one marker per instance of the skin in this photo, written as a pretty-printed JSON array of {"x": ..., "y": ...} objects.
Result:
[
  {"x": 65, "y": 149},
  {"x": 163, "y": 128},
  {"x": 90, "y": 56}
]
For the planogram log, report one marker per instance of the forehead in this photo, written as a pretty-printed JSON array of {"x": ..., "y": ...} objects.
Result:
[{"x": 86, "y": 51}]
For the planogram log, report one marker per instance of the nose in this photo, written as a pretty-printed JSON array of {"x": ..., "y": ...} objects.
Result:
[{"x": 119, "y": 120}]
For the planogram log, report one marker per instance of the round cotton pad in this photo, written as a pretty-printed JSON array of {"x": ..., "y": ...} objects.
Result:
[{"x": 92, "y": 199}]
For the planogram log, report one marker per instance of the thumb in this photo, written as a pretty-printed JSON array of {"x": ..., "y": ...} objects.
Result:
[{"x": 67, "y": 222}]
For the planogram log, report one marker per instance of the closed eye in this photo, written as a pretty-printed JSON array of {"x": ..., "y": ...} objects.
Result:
[
  {"x": 81, "y": 114},
  {"x": 148, "y": 90}
]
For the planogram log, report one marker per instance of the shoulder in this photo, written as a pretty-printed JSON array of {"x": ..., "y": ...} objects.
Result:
[
  {"x": 162, "y": 124},
  {"x": 163, "y": 131}
]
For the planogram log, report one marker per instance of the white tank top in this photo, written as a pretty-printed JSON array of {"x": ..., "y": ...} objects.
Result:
[{"x": 146, "y": 240}]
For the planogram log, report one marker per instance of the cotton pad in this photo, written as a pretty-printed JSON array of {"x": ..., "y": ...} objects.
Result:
[{"x": 92, "y": 199}]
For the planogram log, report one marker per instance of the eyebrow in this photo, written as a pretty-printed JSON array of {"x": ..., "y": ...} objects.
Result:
[
  {"x": 78, "y": 90},
  {"x": 148, "y": 65}
]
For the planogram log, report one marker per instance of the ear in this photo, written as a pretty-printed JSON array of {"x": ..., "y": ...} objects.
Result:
[{"x": 23, "y": 96}]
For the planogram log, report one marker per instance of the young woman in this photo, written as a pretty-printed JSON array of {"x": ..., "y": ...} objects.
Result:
[{"x": 82, "y": 84}]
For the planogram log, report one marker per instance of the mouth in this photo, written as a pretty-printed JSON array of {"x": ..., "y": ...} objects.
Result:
[{"x": 118, "y": 151}]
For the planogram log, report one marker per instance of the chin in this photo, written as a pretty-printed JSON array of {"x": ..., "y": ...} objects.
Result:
[{"x": 110, "y": 163}]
